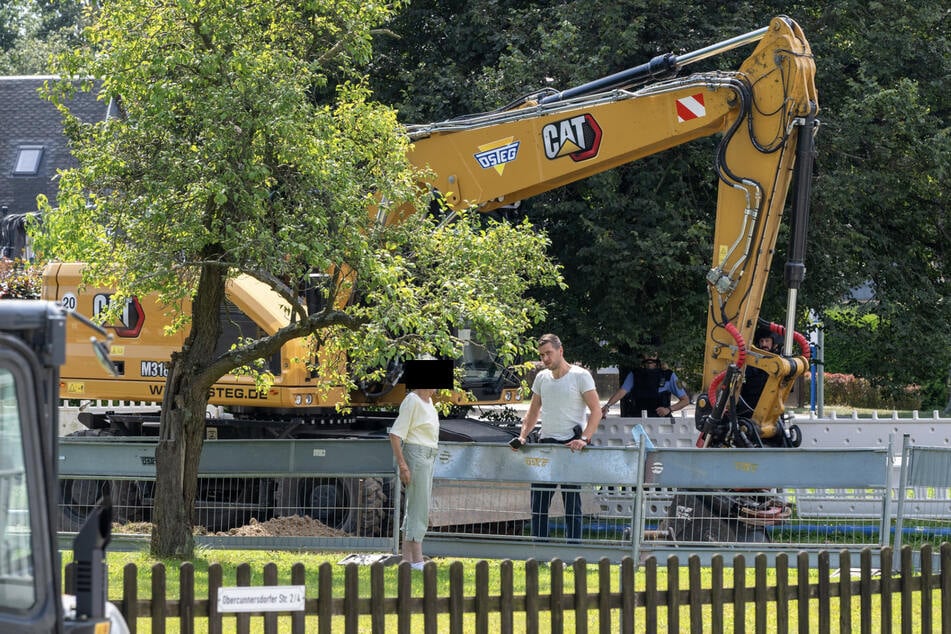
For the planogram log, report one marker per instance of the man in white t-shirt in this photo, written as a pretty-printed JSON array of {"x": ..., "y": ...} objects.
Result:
[{"x": 567, "y": 395}]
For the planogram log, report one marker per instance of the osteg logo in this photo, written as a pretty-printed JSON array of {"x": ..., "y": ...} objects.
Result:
[
  {"x": 497, "y": 153},
  {"x": 578, "y": 137}
]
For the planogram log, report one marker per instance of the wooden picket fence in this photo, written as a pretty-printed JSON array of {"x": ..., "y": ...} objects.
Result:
[{"x": 821, "y": 597}]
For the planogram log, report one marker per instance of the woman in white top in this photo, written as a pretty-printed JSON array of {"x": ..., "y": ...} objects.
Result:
[{"x": 415, "y": 439}]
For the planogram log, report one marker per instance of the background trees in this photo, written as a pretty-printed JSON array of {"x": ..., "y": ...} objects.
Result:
[
  {"x": 636, "y": 241},
  {"x": 881, "y": 206},
  {"x": 33, "y": 30}
]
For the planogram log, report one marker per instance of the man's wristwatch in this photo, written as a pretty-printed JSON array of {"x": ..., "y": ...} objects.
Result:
[{"x": 586, "y": 440}]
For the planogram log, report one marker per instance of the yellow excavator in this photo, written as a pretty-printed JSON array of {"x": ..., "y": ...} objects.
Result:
[{"x": 766, "y": 113}]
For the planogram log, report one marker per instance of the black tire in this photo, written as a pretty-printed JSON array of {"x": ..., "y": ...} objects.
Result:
[
  {"x": 128, "y": 502},
  {"x": 707, "y": 518},
  {"x": 225, "y": 503},
  {"x": 78, "y": 497},
  {"x": 353, "y": 505}
]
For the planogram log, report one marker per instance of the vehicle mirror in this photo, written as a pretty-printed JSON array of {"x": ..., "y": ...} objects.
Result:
[{"x": 101, "y": 350}]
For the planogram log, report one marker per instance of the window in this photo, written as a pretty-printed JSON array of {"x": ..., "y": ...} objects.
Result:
[
  {"x": 17, "y": 590},
  {"x": 28, "y": 160}
]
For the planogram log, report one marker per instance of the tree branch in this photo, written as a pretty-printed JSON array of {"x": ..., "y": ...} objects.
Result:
[
  {"x": 266, "y": 346},
  {"x": 282, "y": 289}
]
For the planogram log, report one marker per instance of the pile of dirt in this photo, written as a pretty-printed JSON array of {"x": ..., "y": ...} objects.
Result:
[
  {"x": 132, "y": 528},
  {"x": 291, "y": 526}
]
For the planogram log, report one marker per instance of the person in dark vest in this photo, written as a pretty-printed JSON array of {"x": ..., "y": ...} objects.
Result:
[{"x": 649, "y": 389}]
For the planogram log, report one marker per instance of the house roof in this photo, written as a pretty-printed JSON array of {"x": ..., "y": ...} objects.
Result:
[{"x": 30, "y": 122}]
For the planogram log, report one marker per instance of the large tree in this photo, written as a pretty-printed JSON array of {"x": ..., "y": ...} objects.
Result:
[{"x": 248, "y": 143}]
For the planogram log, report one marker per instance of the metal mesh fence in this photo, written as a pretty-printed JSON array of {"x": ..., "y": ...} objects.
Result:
[
  {"x": 247, "y": 506},
  {"x": 689, "y": 498},
  {"x": 364, "y": 507},
  {"x": 502, "y": 510},
  {"x": 924, "y": 500},
  {"x": 768, "y": 518}
]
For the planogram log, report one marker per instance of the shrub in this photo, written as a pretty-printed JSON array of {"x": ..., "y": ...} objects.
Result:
[
  {"x": 20, "y": 279},
  {"x": 853, "y": 391}
]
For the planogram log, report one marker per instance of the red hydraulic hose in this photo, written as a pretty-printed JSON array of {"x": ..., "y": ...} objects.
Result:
[
  {"x": 740, "y": 359},
  {"x": 799, "y": 338},
  {"x": 703, "y": 439}
]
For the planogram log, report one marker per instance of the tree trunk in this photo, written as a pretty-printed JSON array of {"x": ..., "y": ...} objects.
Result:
[{"x": 182, "y": 423}]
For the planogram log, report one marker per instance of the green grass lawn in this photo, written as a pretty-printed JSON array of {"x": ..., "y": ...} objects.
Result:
[{"x": 230, "y": 560}]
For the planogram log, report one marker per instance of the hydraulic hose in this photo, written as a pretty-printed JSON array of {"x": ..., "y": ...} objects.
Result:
[{"x": 740, "y": 358}]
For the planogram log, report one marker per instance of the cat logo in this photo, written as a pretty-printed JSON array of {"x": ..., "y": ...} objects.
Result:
[
  {"x": 131, "y": 320},
  {"x": 578, "y": 137}
]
